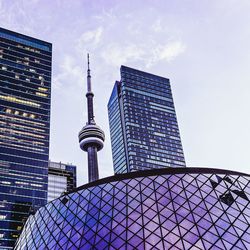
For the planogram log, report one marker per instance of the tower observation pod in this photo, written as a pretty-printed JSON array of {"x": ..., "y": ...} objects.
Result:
[{"x": 91, "y": 137}]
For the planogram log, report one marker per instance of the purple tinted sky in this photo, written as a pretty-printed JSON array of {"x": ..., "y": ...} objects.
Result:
[{"x": 202, "y": 46}]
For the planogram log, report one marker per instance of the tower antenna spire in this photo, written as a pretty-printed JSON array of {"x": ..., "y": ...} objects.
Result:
[
  {"x": 91, "y": 137},
  {"x": 90, "y": 96},
  {"x": 88, "y": 61}
]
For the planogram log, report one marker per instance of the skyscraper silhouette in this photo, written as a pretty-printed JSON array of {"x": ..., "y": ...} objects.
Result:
[
  {"x": 25, "y": 83},
  {"x": 143, "y": 124}
]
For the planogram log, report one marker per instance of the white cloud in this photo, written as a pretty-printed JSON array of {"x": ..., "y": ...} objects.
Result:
[
  {"x": 69, "y": 73},
  {"x": 171, "y": 51},
  {"x": 167, "y": 52},
  {"x": 157, "y": 26},
  {"x": 148, "y": 54},
  {"x": 106, "y": 15},
  {"x": 91, "y": 37},
  {"x": 116, "y": 55},
  {"x": 14, "y": 16}
]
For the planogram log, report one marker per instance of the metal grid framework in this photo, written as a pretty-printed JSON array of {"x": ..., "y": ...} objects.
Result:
[{"x": 186, "y": 208}]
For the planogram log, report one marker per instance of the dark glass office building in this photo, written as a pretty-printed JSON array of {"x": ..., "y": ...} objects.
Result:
[
  {"x": 61, "y": 179},
  {"x": 143, "y": 123},
  {"x": 25, "y": 81},
  {"x": 169, "y": 208}
]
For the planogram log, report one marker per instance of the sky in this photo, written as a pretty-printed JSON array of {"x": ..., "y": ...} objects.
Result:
[{"x": 202, "y": 46}]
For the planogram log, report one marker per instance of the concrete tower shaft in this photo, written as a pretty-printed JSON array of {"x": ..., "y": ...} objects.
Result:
[{"x": 91, "y": 137}]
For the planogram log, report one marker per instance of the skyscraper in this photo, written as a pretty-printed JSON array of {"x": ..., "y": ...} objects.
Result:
[
  {"x": 25, "y": 81},
  {"x": 143, "y": 123},
  {"x": 61, "y": 179}
]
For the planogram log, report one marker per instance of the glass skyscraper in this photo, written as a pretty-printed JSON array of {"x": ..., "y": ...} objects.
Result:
[
  {"x": 25, "y": 82},
  {"x": 61, "y": 179},
  {"x": 143, "y": 123}
]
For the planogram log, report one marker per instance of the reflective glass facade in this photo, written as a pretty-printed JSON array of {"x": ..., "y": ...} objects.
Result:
[
  {"x": 143, "y": 123},
  {"x": 25, "y": 81},
  {"x": 61, "y": 179},
  {"x": 170, "y": 208}
]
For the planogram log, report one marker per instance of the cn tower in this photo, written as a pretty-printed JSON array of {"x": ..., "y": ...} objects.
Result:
[{"x": 91, "y": 137}]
